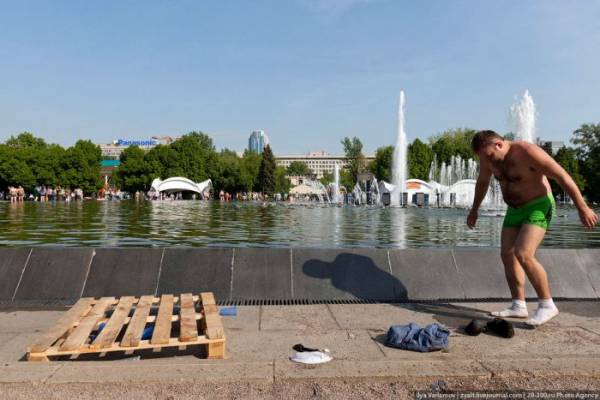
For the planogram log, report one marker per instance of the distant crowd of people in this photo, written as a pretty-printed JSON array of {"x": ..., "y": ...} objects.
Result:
[
  {"x": 112, "y": 194},
  {"x": 16, "y": 194},
  {"x": 241, "y": 196},
  {"x": 44, "y": 194},
  {"x": 250, "y": 196},
  {"x": 152, "y": 195}
]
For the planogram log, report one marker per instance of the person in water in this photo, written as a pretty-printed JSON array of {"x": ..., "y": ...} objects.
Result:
[{"x": 522, "y": 170}]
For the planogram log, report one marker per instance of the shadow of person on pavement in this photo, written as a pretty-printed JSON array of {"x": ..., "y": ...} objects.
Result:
[{"x": 356, "y": 276}]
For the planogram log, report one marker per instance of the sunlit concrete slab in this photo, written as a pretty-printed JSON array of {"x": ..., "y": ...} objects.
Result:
[
  {"x": 307, "y": 318},
  {"x": 566, "y": 276},
  {"x": 590, "y": 262},
  {"x": 277, "y": 345},
  {"x": 482, "y": 275},
  {"x": 426, "y": 274},
  {"x": 202, "y": 370}
]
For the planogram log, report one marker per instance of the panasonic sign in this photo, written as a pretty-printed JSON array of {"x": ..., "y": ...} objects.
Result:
[{"x": 141, "y": 143}]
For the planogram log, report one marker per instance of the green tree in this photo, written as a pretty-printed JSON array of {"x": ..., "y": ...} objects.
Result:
[
  {"x": 196, "y": 156},
  {"x": 25, "y": 140},
  {"x": 47, "y": 166},
  {"x": 381, "y": 166},
  {"x": 81, "y": 167},
  {"x": 299, "y": 168},
  {"x": 282, "y": 183},
  {"x": 14, "y": 171},
  {"x": 453, "y": 142},
  {"x": 587, "y": 138},
  {"x": 327, "y": 178},
  {"x": 250, "y": 167},
  {"x": 567, "y": 158},
  {"x": 547, "y": 147},
  {"x": 163, "y": 162},
  {"x": 419, "y": 160},
  {"x": 347, "y": 180},
  {"x": 266, "y": 174},
  {"x": 6, "y": 160},
  {"x": 356, "y": 160},
  {"x": 134, "y": 172},
  {"x": 228, "y": 176},
  {"x": 41, "y": 159}
]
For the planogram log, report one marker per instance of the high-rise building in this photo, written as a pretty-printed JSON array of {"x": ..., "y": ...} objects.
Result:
[{"x": 257, "y": 141}]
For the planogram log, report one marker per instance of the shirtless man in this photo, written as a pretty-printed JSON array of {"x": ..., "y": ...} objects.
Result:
[{"x": 523, "y": 170}]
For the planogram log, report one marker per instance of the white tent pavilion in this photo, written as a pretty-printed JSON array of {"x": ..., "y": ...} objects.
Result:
[{"x": 180, "y": 184}]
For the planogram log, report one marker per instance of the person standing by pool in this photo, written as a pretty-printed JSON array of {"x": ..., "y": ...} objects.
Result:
[
  {"x": 12, "y": 194},
  {"x": 20, "y": 194},
  {"x": 522, "y": 170}
]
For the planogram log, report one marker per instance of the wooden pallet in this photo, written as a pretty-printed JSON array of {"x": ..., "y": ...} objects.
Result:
[{"x": 70, "y": 335}]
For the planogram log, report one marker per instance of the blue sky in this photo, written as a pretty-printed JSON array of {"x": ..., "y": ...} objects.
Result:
[{"x": 307, "y": 72}]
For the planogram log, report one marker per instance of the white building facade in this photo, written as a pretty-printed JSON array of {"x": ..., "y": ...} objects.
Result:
[{"x": 319, "y": 162}]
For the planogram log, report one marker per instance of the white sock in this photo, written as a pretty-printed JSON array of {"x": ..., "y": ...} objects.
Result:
[
  {"x": 545, "y": 312},
  {"x": 518, "y": 309}
]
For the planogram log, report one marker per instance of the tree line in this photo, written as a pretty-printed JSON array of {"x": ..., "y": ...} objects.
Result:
[
  {"x": 30, "y": 162},
  {"x": 581, "y": 162},
  {"x": 194, "y": 156}
]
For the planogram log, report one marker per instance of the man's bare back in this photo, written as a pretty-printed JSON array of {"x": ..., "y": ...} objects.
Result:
[{"x": 519, "y": 179}]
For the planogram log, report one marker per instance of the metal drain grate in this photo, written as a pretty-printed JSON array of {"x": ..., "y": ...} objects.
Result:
[
  {"x": 299, "y": 302},
  {"x": 292, "y": 302}
]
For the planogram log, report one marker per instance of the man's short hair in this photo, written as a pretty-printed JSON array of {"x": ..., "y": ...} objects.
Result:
[{"x": 483, "y": 138}]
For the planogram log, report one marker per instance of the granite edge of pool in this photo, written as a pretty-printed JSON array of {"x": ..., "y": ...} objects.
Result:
[{"x": 61, "y": 275}]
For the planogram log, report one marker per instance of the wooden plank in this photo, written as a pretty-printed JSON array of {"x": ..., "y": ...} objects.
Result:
[
  {"x": 79, "y": 336},
  {"x": 213, "y": 327},
  {"x": 114, "y": 325},
  {"x": 189, "y": 328},
  {"x": 162, "y": 327},
  {"x": 143, "y": 345},
  {"x": 37, "y": 357},
  {"x": 134, "y": 331},
  {"x": 207, "y": 298},
  {"x": 215, "y": 350},
  {"x": 65, "y": 322}
]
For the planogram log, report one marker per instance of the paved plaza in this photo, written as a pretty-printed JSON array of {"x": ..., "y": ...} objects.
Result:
[{"x": 564, "y": 354}]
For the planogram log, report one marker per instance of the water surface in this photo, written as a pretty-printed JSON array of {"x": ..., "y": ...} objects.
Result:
[{"x": 196, "y": 223}]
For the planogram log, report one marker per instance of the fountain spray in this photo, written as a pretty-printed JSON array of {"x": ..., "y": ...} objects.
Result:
[
  {"x": 522, "y": 114},
  {"x": 399, "y": 161}
]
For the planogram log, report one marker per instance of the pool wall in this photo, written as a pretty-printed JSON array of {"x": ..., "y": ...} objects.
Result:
[{"x": 282, "y": 275}]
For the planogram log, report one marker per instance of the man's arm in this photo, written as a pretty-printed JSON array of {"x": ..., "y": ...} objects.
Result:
[
  {"x": 481, "y": 188},
  {"x": 549, "y": 167}
]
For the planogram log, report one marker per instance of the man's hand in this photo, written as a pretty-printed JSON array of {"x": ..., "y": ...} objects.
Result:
[
  {"x": 588, "y": 217},
  {"x": 472, "y": 218}
]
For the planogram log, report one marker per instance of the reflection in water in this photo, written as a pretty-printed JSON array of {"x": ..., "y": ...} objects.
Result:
[{"x": 196, "y": 223}]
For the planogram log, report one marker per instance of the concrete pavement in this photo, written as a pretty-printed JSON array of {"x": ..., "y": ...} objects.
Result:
[{"x": 564, "y": 352}]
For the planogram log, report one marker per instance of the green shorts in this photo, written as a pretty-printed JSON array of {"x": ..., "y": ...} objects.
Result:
[{"x": 536, "y": 212}]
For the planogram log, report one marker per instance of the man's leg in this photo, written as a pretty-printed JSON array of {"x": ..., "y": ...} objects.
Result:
[
  {"x": 515, "y": 275},
  {"x": 528, "y": 240}
]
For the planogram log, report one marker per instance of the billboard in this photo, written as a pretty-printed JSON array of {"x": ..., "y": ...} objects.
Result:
[{"x": 141, "y": 143}]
